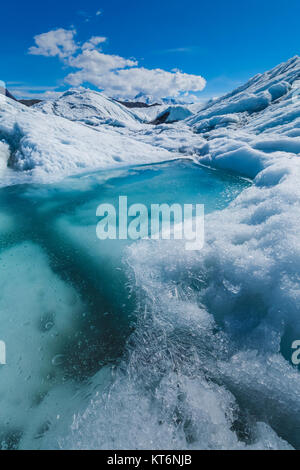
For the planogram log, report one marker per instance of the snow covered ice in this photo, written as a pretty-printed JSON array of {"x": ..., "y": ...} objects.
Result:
[
  {"x": 48, "y": 147},
  {"x": 165, "y": 348},
  {"x": 89, "y": 108}
]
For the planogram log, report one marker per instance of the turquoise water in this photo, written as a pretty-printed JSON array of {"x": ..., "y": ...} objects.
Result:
[{"x": 67, "y": 301}]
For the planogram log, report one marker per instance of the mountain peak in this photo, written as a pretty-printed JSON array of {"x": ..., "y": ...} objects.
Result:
[{"x": 4, "y": 91}]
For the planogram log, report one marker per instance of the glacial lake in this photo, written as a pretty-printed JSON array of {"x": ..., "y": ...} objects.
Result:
[{"x": 67, "y": 307}]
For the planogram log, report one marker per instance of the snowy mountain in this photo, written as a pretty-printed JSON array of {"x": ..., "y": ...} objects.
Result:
[
  {"x": 89, "y": 107},
  {"x": 173, "y": 114},
  {"x": 47, "y": 146},
  {"x": 254, "y": 96},
  {"x": 151, "y": 101},
  {"x": 242, "y": 131},
  {"x": 5, "y": 92},
  {"x": 147, "y": 99},
  {"x": 257, "y": 122},
  {"x": 28, "y": 102}
]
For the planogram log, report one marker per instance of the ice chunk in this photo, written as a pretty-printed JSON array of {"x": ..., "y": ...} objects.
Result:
[{"x": 279, "y": 89}]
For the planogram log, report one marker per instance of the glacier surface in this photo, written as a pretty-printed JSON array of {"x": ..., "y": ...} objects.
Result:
[{"x": 207, "y": 362}]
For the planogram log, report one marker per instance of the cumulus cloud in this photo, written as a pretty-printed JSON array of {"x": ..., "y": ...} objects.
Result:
[
  {"x": 128, "y": 82},
  {"x": 93, "y": 42},
  {"x": 59, "y": 42},
  {"x": 95, "y": 64},
  {"x": 117, "y": 76}
]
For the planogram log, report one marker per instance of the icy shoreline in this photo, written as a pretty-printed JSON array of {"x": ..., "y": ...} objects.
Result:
[{"x": 245, "y": 131}]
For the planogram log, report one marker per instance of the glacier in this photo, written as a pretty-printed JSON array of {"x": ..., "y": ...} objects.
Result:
[
  {"x": 90, "y": 108},
  {"x": 144, "y": 344},
  {"x": 48, "y": 147}
]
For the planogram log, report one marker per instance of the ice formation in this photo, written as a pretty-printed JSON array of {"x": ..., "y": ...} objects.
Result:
[
  {"x": 174, "y": 113},
  {"x": 208, "y": 364},
  {"x": 89, "y": 107},
  {"x": 49, "y": 147}
]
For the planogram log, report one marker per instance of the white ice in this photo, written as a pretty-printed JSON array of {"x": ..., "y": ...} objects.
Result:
[{"x": 208, "y": 365}]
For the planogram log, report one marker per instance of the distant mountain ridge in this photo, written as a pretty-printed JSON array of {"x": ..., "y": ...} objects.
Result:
[
  {"x": 4, "y": 91},
  {"x": 136, "y": 104},
  {"x": 30, "y": 102},
  {"x": 89, "y": 107}
]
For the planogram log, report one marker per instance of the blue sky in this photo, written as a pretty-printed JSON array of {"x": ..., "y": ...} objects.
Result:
[{"x": 226, "y": 42}]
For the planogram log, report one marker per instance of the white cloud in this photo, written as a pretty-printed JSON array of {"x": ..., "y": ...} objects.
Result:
[
  {"x": 115, "y": 75},
  {"x": 59, "y": 42},
  {"x": 34, "y": 92},
  {"x": 98, "y": 13},
  {"x": 94, "y": 63},
  {"x": 93, "y": 42},
  {"x": 49, "y": 95},
  {"x": 128, "y": 82}
]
